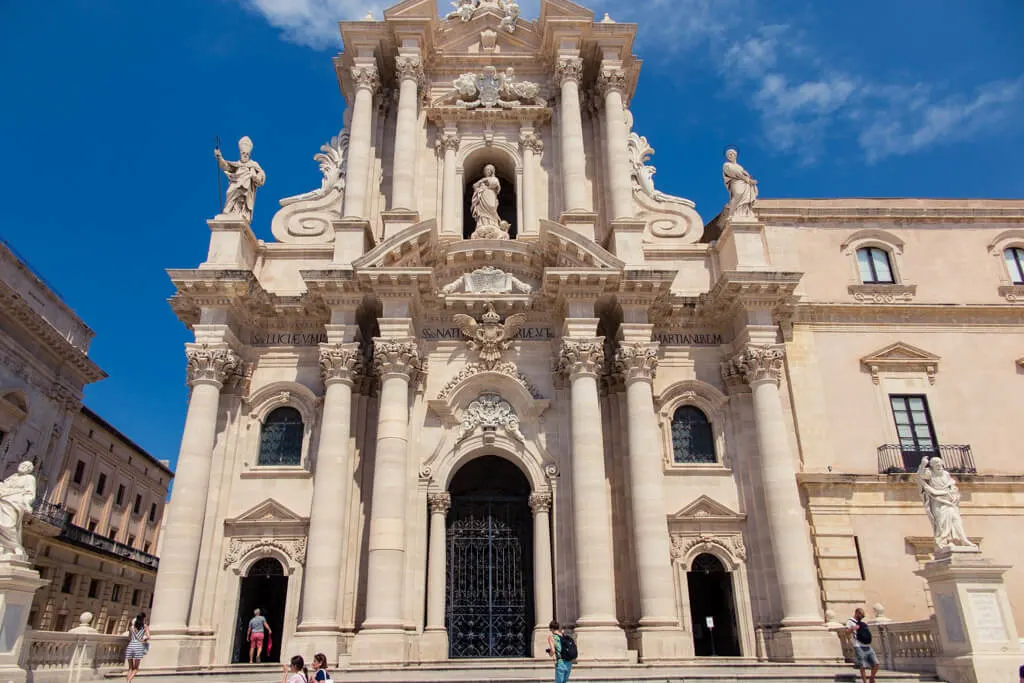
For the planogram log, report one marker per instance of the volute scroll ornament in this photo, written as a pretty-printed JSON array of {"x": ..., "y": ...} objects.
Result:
[
  {"x": 208, "y": 364},
  {"x": 583, "y": 356},
  {"x": 308, "y": 216}
]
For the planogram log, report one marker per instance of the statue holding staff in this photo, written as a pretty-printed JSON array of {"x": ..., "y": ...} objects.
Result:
[{"x": 244, "y": 177}]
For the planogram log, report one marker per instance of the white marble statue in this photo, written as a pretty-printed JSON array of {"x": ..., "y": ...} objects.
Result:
[
  {"x": 244, "y": 177},
  {"x": 741, "y": 185},
  {"x": 508, "y": 22},
  {"x": 640, "y": 151},
  {"x": 17, "y": 494},
  {"x": 484, "y": 207},
  {"x": 941, "y": 498},
  {"x": 463, "y": 10}
]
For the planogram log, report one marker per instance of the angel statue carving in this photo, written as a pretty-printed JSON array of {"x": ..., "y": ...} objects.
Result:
[
  {"x": 17, "y": 494},
  {"x": 490, "y": 337},
  {"x": 463, "y": 10},
  {"x": 244, "y": 177},
  {"x": 484, "y": 206},
  {"x": 941, "y": 498}
]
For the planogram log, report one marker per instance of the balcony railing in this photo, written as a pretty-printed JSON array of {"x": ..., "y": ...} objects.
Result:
[
  {"x": 897, "y": 458},
  {"x": 51, "y": 513},
  {"x": 60, "y": 517}
]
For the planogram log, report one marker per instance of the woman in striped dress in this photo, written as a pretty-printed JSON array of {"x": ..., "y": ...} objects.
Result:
[{"x": 138, "y": 644}]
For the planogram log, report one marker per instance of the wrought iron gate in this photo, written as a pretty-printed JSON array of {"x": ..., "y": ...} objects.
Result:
[{"x": 489, "y": 605}]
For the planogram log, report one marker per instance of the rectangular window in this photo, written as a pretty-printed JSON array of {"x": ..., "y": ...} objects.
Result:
[
  {"x": 1015, "y": 264},
  {"x": 145, "y": 547},
  {"x": 137, "y": 508},
  {"x": 119, "y": 501},
  {"x": 101, "y": 484},
  {"x": 79, "y": 472},
  {"x": 874, "y": 265},
  {"x": 111, "y": 625},
  {"x": 914, "y": 429},
  {"x": 150, "y": 606},
  {"x": 94, "y": 588},
  {"x": 113, "y": 533},
  {"x": 62, "y": 623},
  {"x": 152, "y": 512},
  {"x": 115, "y": 593},
  {"x": 92, "y": 525},
  {"x": 131, "y": 541},
  {"x": 135, "y": 596},
  {"x": 68, "y": 584}
]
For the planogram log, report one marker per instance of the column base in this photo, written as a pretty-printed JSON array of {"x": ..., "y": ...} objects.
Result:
[
  {"x": 805, "y": 644},
  {"x": 664, "y": 644},
  {"x": 981, "y": 668},
  {"x": 603, "y": 644},
  {"x": 380, "y": 646},
  {"x": 173, "y": 651},
  {"x": 434, "y": 645},
  {"x": 307, "y": 642}
]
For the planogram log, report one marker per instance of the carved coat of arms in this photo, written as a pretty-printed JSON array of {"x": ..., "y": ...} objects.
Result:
[{"x": 490, "y": 337}]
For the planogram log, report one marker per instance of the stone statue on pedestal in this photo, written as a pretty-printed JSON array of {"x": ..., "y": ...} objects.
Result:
[
  {"x": 17, "y": 494},
  {"x": 244, "y": 177},
  {"x": 741, "y": 185},
  {"x": 941, "y": 498},
  {"x": 484, "y": 206}
]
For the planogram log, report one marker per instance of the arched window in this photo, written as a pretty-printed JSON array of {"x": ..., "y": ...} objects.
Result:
[
  {"x": 267, "y": 566},
  {"x": 874, "y": 265},
  {"x": 1015, "y": 264},
  {"x": 281, "y": 439},
  {"x": 692, "y": 440}
]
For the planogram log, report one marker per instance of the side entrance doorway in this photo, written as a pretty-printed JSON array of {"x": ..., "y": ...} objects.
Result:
[
  {"x": 264, "y": 587},
  {"x": 712, "y": 608}
]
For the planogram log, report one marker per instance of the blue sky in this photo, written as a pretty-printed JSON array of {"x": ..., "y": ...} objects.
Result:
[{"x": 110, "y": 110}]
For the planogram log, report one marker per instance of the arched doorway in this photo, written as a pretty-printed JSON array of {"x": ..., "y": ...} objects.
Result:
[
  {"x": 712, "y": 608},
  {"x": 264, "y": 587},
  {"x": 489, "y": 593}
]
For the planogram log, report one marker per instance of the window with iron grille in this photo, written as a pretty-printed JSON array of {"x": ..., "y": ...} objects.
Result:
[
  {"x": 692, "y": 438},
  {"x": 281, "y": 438},
  {"x": 1015, "y": 264},
  {"x": 874, "y": 265},
  {"x": 914, "y": 428}
]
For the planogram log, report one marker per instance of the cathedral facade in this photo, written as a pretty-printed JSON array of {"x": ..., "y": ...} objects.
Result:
[{"x": 487, "y": 375}]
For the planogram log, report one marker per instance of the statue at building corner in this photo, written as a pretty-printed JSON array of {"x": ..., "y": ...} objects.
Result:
[
  {"x": 941, "y": 497},
  {"x": 244, "y": 177},
  {"x": 741, "y": 185},
  {"x": 17, "y": 494},
  {"x": 484, "y": 206}
]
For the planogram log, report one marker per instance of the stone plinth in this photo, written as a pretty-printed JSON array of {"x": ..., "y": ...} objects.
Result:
[
  {"x": 18, "y": 584},
  {"x": 975, "y": 621},
  {"x": 742, "y": 245},
  {"x": 233, "y": 245}
]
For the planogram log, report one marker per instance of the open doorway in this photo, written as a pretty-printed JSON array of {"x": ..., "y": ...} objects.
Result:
[
  {"x": 263, "y": 588},
  {"x": 712, "y": 608}
]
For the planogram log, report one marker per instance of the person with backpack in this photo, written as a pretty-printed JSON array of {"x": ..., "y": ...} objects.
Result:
[
  {"x": 563, "y": 648},
  {"x": 863, "y": 653}
]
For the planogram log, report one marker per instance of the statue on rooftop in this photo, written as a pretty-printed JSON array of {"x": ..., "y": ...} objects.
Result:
[
  {"x": 17, "y": 494},
  {"x": 244, "y": 177},
  {"x": 741, "y": 185}
]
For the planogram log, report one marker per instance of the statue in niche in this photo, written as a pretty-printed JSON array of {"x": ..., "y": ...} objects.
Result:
[
  {"x": 741, "y": 185},
  {"x": 941, "y": 497},
  {"x": 244, "y": 177},
  {"x": 17, "y": 494},
  {"x": 484, "y": 207}
]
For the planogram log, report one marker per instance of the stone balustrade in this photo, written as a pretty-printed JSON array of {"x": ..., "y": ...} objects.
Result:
[
  {"x": 910, "y": 646},
  {"x": 81, "y": 654}
]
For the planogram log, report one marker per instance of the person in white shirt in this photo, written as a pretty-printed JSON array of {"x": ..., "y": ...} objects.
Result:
[{"x": 863, "y": 652}]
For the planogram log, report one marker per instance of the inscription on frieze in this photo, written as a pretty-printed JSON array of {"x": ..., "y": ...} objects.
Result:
[
  {"x": 689, "y": 338},
  {"x": 287, "y": 338},
  {"x": 523, "y": 334}
]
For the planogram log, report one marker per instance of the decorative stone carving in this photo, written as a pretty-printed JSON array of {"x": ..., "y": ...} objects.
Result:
[
  {"x": 308, "y": 216},
  {"x": 366, "y": 76},
  {"x": 643, "y": 175},
  {"x": 508, "y": 22},
  {"x": 484, "y": 207},
  {"x": 439, "y": 502},
  {"x": 239, "y": 548},
  {"x": 540, "y": 502},
  {"x": 396, "y": 356},
  {"x": 206, "y": 364},
  {"x": 447, "y": 141},
  {"x": 487, "y": 280},
  {"x": 637, "y": 360},
  {"x": 409, "y": 67},
  {"x": 580, "y": 356},
  {"x": 611, "y": 80},
  {"x": 490, "y": 337},
  {"x": 490, "y": 411},
  {"x": 742, "y": 188},
  {"x": 340, "y": 362},
  {"x": 17, "y": 494},
  {"x": 495, "y": 90},
  {"x": 467, "y": 9},
  {"x": 463, "y": 10},
  {"x": 941, "y": 497},
  {"x": 244, "y": 177},
  {"x": 683, "y": 544},
  {"x": 471, "y": 369},
  {"x": 569, "y": 69},
  {"x": 532, "y": 142},
  {"x": 754, "y": 364}
]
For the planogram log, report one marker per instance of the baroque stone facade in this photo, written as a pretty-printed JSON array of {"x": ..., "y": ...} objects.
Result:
[{"x": 672, "y": 425}]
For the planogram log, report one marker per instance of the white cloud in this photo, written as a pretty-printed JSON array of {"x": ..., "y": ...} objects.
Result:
[{"x": 313, "y": 23}]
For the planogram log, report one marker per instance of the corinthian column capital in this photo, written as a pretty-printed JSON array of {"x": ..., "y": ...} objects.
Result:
[
  {"x": 569, "y": 69},
  {"x": 366, "y": 76},
  {"x": 580, "y": 357},
  {"x": 439, "y": 503},
  {"x": 210, "y": 365},
  {"x": 339, "y": 363},
  {"x": 532, "y": 142},
  {"x": 396, "y": 356},
  {"x": 446, "y": 141},
  {"x": 637, "y": 360},
  {"x": 540, "y": 502},
  {"x": 611, "y": 80},
  {"x": 409, "y": 67},
  {"x": 754, "y": 364}
]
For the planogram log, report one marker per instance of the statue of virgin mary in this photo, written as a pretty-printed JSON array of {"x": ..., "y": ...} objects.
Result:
[{"x": 484, "y": 207}]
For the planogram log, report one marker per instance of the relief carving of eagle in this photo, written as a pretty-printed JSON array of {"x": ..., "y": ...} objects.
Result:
[{"x": 490, "y": 337}]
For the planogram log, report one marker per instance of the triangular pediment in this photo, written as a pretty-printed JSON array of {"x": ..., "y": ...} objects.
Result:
[
  {"x": 412, "y": 9},
  {"x": 459, "y": 38},
  {"x": 564, "y": 9},
  {"x": 901, "y": 357},
  {"x": 269, "y": 511},
  {"x": 705, "y": 507}
]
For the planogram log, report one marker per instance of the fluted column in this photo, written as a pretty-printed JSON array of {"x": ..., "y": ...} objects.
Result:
[
  {"x": 761, "y": 368},
  {"x": 569, "y": 73},
  {"x": 437, "y": 559},
  {"x": 451, "y": 195},
  {"x": 208, "y": 368},
  {"x": 532, "y": 147},
  {"x": 339, "y": 365},
  {"x": 403, "y": 171},
  {"x": 581, "y": 360},
  {"x": 611, "y": 86},
  {"x": 543, "y": 581},
  {"x": 366, "y": 80}
]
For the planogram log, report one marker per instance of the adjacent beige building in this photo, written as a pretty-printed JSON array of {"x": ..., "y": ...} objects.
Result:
[{"x": 487, "y": 375}]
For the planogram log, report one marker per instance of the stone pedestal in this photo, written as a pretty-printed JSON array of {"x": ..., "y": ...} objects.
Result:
[
  {"x": 742, "y": 245},
  {"x": 233, "y": 245},
  {"x": 975, "y": 621},
  {"x": 18, "y": 584},
  {"x": 352, "y": 239}
]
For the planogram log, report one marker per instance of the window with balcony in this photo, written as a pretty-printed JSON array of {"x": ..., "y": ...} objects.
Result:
[
  {"x": 692, "y": 438},
  {"x": 119, "y": 499},
  {"x": 101, "y": 484},
  {"x": 913, "y": 428},
  {"x": 1015, "y": 264},
  {"x": 94, "y": 588},
  {"x": 281, "y": 438},
  {"x": 875, "y": 267},
  {"x": 79, "y": 472}
]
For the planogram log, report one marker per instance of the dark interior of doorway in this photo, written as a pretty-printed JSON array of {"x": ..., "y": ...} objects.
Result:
[
  {"x": 265, "y": 588},
  {"x": 711, "y": 595}
]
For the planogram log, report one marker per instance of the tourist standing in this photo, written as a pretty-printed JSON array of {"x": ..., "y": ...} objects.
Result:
[
  {"x": 322, "y": 675},
  {"x": 295, "y": 671},
  {"x": 558, "y": 648},
  {"x": 863, "y": 653},
  {"x": 258, "y": 630},
  {"x": 138, "y": 644}
]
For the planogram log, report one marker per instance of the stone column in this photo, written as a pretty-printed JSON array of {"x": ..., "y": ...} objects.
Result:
[
  {"x": 600, "y": 637},
  {"x": 367, "y": 80},
  {"x": 339, "y": 365},
  {"x": 569, "y": 73},
  {"x": 532, "y": 147},
  {"x": 437, "y": 560},
  {"x": 451, "y": 194},
  {"x": 611, "y": 86},
  {"x": 660, "y": 636},
  {"x": 403, "y": 171},
  {"x": 209, "y": 366},
  {"x": 543, "y": 579},
  {"x": 803, "y": 624},
  {"x": 382, "y": 638}
]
